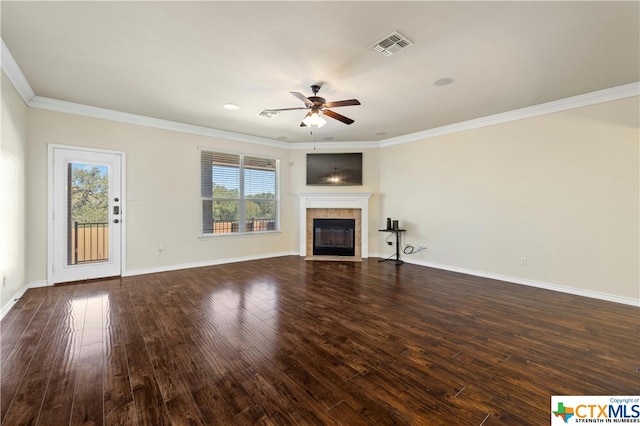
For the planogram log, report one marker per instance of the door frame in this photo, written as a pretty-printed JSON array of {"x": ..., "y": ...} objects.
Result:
[{"x": 50, "y": 204}]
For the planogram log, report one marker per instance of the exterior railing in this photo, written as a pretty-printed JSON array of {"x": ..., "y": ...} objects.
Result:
[
  {"x": 251, "y": 225},
  {"x": 89, "y": 243}
]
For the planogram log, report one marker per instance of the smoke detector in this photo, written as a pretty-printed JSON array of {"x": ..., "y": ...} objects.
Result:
[{"x": 391, "y": 44}]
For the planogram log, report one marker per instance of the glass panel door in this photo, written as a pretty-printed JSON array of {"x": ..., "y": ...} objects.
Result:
[{"x": 87, "y": 215}]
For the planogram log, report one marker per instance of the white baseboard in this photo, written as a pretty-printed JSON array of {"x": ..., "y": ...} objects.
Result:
[
  {"x": 523, "y": 281},
  {"x": 499, "y": 277},
  {"x": 36, "y": 284},
  {"x": 168, "y": 268},
  {"x": 6, "y": 308},
  {"x": 515, "y": 280}
]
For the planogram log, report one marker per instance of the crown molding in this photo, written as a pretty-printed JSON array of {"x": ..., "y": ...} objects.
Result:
[
  {"x": 17, "y": 78},
  {"x": 123, "y": 117},
  {"x": 334, "y": 145},
  {"x": 19, "y": 81},
  {"x": 15, "y": 75},
  {"x": 592, "y": 98}
]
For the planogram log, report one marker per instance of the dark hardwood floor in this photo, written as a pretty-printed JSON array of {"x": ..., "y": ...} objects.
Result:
[{"x": 285, "y": 341}]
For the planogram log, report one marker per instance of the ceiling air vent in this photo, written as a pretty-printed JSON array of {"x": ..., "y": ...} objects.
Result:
[
  {"x": 391, "y": 44},
  {"x": 267, "y": 113}
]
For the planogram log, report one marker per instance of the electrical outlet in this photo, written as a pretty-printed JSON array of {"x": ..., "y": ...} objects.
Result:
[
  {"x": 523, "y": 261},
  {"x": 160, "y": 249},
  {"x": 4, "y": 281}
]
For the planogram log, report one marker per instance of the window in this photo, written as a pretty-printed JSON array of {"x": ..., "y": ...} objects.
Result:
[{"x": 239, "y": 193}]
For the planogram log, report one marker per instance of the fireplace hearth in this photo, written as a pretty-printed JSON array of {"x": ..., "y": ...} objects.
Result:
[{"x": 334, "y": 237}]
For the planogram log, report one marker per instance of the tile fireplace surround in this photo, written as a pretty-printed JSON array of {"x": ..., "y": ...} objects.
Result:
[{"x": 339, "y": 201}]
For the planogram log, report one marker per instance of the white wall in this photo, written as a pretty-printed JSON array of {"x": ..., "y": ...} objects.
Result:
[
  {"x": 12, "y": 193},
  {"x": 561, "y": 190},
  {"x": 163, "y": 199},
  {"x": 163, "y": 193}
]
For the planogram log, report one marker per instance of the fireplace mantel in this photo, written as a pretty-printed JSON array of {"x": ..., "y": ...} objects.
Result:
[{"x": 345, "y": 200}]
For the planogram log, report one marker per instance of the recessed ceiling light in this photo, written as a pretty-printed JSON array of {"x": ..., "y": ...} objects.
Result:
[
  {"x": 232, "y": 107},
  {"x": 443, "y": 81}
]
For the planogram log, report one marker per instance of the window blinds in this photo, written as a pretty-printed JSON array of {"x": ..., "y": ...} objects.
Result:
[{"x": 239, "y": 193}]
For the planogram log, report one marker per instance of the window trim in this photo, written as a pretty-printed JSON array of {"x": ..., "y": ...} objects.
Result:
[{"x": 241, "y": 200}]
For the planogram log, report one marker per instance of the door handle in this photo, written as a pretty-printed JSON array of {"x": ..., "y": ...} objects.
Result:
[{"x": 116, "y": 221}]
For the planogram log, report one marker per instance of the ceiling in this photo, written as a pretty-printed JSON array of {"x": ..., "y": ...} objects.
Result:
[{"x": 182, "y": 61}]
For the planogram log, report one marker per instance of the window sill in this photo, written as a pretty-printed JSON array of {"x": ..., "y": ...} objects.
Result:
[{"x": 236, "y": 235}]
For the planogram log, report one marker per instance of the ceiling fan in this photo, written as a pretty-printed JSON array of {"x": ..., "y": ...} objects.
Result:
[{"x": 317, "y": 107}]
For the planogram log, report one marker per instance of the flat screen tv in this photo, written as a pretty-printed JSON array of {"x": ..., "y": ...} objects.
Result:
[{"x": 334, "y": 169}]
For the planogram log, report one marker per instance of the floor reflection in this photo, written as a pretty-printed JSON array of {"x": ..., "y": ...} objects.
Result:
[
  {"x": 247, "y": 318},
  {"x": 88, "y": 317}
]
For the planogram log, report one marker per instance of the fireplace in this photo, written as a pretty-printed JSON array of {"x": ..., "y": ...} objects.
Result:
[
  {"x": 354, "y": 206},
  {"x": 334, "y": 237}
]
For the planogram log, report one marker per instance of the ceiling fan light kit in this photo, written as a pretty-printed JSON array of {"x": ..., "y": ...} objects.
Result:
[
  {"x": 318, "y": 107},
  {"x": 314, "y": 119}
]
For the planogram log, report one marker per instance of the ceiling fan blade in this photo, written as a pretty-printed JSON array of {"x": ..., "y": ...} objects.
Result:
[
  {"x": 284, "y": 109},
  {"x": 303, "y": 98},
  {"x": 302, "y": 124},
  {"x": 347, "y": 102},
  {"x": 335, "y": 115}
]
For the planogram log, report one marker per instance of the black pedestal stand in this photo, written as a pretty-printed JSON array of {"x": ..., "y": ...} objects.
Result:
[{"x": 395, "y": 258}]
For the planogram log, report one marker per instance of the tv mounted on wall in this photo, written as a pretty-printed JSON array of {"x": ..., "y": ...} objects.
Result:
[{"x": 334, "y": 169}]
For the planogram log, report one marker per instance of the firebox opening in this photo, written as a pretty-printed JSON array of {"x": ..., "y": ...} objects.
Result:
[{"x": 334, "y": 237}]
